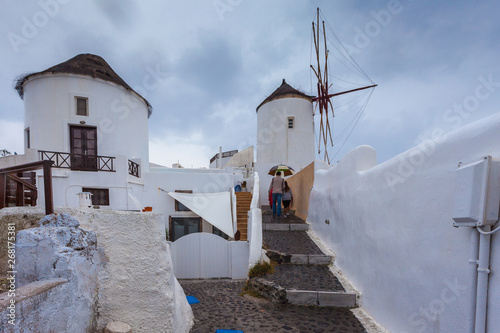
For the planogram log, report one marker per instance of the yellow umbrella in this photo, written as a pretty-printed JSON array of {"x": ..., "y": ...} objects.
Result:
[{"x": 285, "y": 170}]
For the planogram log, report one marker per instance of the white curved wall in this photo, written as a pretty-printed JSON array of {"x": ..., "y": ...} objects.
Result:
[
  {"x": 276, "y": 143},
  {"x": 392, "y": 230},
  {"x": 121, "y": 117}
]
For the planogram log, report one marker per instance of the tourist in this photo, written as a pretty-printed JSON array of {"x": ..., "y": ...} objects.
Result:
[
  {"x": 277, "y": 185},
  {"x": 287, "y": 199}
]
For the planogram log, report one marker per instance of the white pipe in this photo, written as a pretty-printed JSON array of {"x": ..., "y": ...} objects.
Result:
[
  {"x": 473, "y": 261},
  {"x": 482, "y": 281}
]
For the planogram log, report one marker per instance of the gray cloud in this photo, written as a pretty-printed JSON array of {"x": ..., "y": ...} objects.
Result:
[{"x": 218, "y": 69}]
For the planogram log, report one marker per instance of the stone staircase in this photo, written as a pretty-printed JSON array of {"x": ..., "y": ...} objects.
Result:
[
  {"x": 301, "y": 273},
  {"x": 243, "y": 200}
]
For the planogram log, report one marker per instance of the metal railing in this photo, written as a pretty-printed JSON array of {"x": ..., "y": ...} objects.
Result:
[
  {"x": 133, "y": 168},
  {"x": 224, "y": 154},
  {"x": 79, "y": 162}
]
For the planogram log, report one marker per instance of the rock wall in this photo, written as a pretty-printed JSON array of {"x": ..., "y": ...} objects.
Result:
[
  {"x": 22, "y": 220},
  {"x": 59, "y": 250},
  {"x": 117, "y": 266}
]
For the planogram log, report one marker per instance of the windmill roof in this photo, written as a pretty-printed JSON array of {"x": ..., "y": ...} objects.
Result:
[
  {"x": 284, "y": 91},
  {"x": 83, "y": 64}
]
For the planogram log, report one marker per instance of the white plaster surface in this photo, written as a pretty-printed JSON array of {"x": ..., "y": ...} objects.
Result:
[
  {"x": 136, "y": 283},
  {"x": 392, "y": 231},
  {"x": 276, "y": 143},
  {"x": 121, "y": 116}
]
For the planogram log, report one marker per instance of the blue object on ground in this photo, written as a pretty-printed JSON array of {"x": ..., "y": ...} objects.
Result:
[
  {"x": 228, "y": 331},
  {"x": 192, "y": 300}
]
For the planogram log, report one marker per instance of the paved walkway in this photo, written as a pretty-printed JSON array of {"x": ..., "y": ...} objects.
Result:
[
  {"x": 222, "y": 307},
  {"x": 290, "y": 242}
]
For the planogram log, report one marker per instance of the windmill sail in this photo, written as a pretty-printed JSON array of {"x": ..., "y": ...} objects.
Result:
[{"x": 324, "y": 99}]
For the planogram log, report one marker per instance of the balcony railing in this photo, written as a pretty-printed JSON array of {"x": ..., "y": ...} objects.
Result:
[
  {"x": 133, "y": 168},
  {"x": 79, "y": 162}
]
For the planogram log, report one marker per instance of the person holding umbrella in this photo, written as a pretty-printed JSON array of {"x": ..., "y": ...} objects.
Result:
[{"x": 277, "y": 185}]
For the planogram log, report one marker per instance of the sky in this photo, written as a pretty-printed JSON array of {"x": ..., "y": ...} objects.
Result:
[{"x": 436, "y": 64}]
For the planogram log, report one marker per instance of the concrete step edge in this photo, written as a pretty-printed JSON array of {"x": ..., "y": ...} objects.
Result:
[
  {"x": 279, "y": 295},
  {"x": 321, "y": 298},
  {"x": 299, "y": 259},
  {"x": 286, "y": 226}
]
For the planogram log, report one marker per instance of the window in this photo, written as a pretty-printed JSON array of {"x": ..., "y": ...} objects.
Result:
[
  {"x": 179, "y": 207},
  {"x": 218, "y": 232},
  {"x": 290, "y": 122},
  {"x": 181, "y": 226},
  {"x": 82, "y": 108},
  {"x": 100, "y": 196},
  {"x": 27, "y": 143}
]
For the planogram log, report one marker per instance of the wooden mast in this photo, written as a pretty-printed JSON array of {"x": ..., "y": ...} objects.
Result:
[{"x": 323, "y": 99}]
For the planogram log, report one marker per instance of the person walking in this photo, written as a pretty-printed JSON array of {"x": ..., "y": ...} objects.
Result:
[
  {"x": 287, "y": 199},
  {"x": 277, "y": 185}
]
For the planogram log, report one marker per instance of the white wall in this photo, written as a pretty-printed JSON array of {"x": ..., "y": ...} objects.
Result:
[
  {"x": 392, "y": 230},
  {"x": 170, "y": 179},
  {"x": 121, "y": 116},
  {"x": 276, "y": 143},
  {"x": 125, "y": 191}
]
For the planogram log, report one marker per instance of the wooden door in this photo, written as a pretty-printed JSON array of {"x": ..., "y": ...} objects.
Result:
[{"x": 83, "y": 143}]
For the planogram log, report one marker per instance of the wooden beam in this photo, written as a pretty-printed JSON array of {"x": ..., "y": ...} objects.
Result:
[
  {"x": 345, "y": 92},
  {"x": 47, "y": 187},
  {"x": 26, "y": 167},
  {"x": 3, "y": 189}
]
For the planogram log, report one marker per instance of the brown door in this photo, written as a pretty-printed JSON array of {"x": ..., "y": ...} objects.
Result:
[{"x": 83, "y": 142}]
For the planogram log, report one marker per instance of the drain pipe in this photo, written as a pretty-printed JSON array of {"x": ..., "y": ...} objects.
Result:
[
  {"x": 473, "y": 261},
  {"x": 482, "y": 280}
]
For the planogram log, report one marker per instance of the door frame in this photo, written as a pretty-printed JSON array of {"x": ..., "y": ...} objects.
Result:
[{"x": 85, "y": 164}]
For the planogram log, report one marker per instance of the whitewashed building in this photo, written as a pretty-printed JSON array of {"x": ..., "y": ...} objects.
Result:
[
  {"x": 285, "y": 132},
  {"x": 82, "y": 116}
]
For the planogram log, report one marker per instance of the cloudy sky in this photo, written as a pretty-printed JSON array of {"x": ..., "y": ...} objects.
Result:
[{"x": 436, "y": 64}]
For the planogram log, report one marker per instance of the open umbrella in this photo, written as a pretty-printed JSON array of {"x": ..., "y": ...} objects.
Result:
[{"x": 285, "y": 170}]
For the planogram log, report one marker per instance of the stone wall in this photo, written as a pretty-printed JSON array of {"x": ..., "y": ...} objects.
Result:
[
  {"x": 136, "y": 281},
  {"x": 122, "y": 273},
  {"x": 55, "y": 278},
  {"x": 22, "y": 220}
]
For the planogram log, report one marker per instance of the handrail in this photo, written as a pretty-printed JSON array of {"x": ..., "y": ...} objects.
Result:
[
  {"x": 19, "y": 180},
  {"x": 67, "y": 161},
  {"x": 47, "y": 181}
]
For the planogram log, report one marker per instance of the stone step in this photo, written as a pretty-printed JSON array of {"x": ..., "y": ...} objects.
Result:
[
  {"x": 285, "y": 226},
  {"x": 290, "y": 242},
  {"x": 303, "y": 285},
  {"x": 321, "y": 298},
  {"x": 299, "y": 259}
]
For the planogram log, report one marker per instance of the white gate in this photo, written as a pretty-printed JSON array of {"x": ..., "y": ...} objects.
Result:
[{"x": 203, "y": 255}]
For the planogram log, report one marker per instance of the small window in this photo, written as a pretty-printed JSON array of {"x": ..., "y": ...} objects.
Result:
[
  {"x": 82, "y": 108},
  {"x": 179, "y": 207},
  {"x": 290, "y": 122},
  {"x": 218, "y": 232},
  {"x": 100, "y": 196},
  {"x": 181, "y": 226},
  {"x": 27, "y": 138}
]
